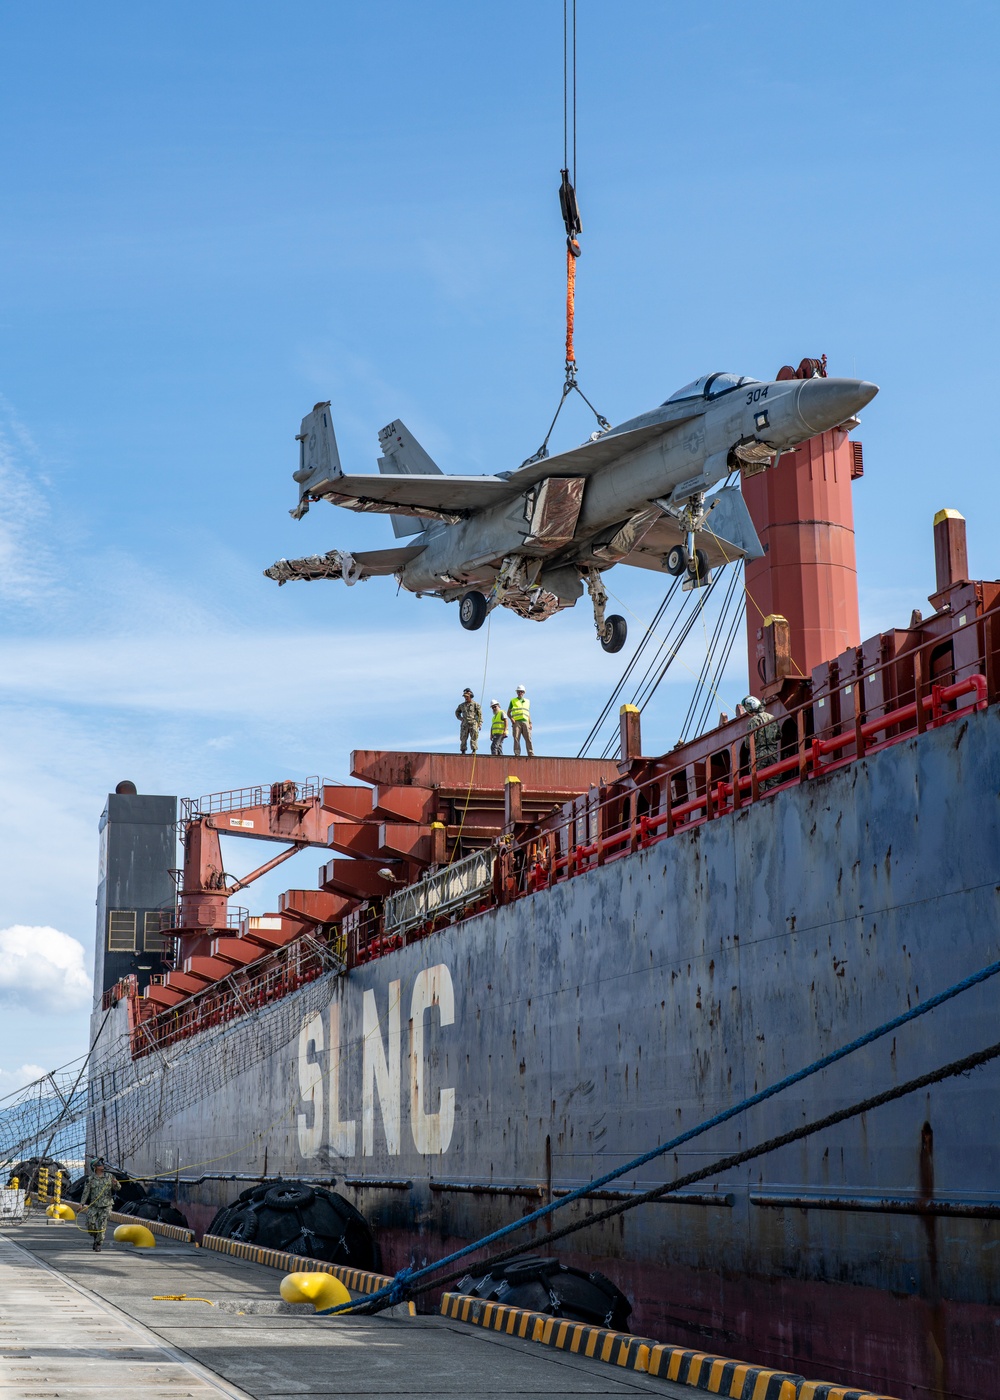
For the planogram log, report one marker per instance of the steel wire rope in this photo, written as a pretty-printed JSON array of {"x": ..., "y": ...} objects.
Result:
[
  {"x": 648, "y": 689},
  {"x": 407, "y": 1277},
  {"x": 664, "y": 641},
  {"x": 82, "y": 1112},
  {"x": 746, "y": 592},
  {"x": 664, "y": 645},
  {"x": 647, "y": 686},
  {"x": 475, "y": 753},
  {"x": 647, "y": 637},
  {"x": 706, "y": 672},
  {"x": 727, "y": 649},
  {"x": 711, "y": 690},
  {"x": 707, "y": 661},
  {"x": 736, "y": 1159},
  {"x": 258, "y": 1137}
]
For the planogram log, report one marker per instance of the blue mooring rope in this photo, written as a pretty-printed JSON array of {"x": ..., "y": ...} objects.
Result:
[{"x": 395, "y": 1292}]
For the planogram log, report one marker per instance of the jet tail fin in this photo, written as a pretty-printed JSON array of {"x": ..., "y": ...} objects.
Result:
[
  {"x": 319, "y": 459},
  {"x": 403, "y": 456}
]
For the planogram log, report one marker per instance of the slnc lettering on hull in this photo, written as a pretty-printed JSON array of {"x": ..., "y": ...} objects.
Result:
[
  {"x": 431, "y": 1131},
  {"x": 310, "y": 1123},
  {"x": 381, "y": 1074},
  {"x": 343, "y": 1133},
  {"x": 380, "y": 1071}
]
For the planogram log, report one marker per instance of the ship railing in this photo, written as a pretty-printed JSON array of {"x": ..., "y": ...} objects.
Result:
[
  {"x": 241, "y": 799},
  {"x": 440, "y": 894},
  {"x": 244, "y": 991},
  {"x": 605, "y": 825}
]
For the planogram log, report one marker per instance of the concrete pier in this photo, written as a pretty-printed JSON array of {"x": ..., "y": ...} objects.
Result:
[{"x": 83, "y": 1326}]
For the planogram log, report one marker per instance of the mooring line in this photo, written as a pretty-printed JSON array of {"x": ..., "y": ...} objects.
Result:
[{"x": 407, "y": 1278}]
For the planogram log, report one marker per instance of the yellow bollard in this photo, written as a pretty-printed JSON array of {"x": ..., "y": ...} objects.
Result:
[
  {"x": 135, "y": 1234},
  {"x": 322, "y": 1290},
  {"x": 60, "y": 1211},
  {"x": 15, "y": 1183},
  {"x": 43, "y": 1182}
]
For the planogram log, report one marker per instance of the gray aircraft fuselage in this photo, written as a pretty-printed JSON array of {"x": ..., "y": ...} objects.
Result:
[
  {"x": 531, "y": 539},
  {"x": 694, "y": 452}
]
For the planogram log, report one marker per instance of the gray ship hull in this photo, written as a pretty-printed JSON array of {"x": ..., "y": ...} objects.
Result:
[{"x": 546, "y": 1042}]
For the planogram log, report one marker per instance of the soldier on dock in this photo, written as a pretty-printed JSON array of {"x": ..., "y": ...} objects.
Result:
[
  {"x": 470, "y": 714},
  {"x": 767, "y": 737},
  {"x": 99, "y": 1198}
]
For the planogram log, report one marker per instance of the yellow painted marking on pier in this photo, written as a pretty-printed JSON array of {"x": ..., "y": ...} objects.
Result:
[
  {"x": 700, "y": 1370},
  {"x": 736, "y": 1384},
  {"x": 715, "y": 1376}
]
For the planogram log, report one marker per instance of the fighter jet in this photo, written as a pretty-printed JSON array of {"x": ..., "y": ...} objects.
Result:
[{"x": 534, "y": 538}]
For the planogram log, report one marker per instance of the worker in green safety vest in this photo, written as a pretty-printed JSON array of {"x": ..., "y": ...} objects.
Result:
[
  {"x": 498, "y": 729},
  {"x": 519, "y": 710}
]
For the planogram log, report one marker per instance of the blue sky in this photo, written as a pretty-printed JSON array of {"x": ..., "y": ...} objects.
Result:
[{"x": 216, "y": 214}]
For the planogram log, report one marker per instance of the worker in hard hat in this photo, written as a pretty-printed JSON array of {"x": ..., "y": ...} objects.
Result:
[
  {"x": 498, "y": 729},
  {"x": 767, "y": 737},
  {"x": 519, "y": 710},
  {"x": 98, "y": 1199},
  {"x": 470, "y": 715}
]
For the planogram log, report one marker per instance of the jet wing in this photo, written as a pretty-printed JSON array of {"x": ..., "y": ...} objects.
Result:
[
  {"x": 585, "y": 460},
  {"x": 338, "y": 563},
  {"x": 439, "y": 497}
]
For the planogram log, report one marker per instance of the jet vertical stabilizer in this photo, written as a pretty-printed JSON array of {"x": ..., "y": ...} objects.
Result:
[
  {"x": 319, "y": 460},
  {"x": 405, "y": 457}
]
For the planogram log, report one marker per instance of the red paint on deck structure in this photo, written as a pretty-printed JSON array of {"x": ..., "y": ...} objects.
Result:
[{"x": 804, "y": 515}]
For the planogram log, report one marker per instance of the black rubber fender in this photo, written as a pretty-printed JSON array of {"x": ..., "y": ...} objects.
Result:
[
  {"x": 244, "y": 1226},
  {"x": 290, "y": 1196}
]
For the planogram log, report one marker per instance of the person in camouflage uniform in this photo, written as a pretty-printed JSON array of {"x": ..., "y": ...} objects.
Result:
[
  {"x": 471, "y": 716},
  {"x": 767, "y": 737},
  {"x": 99, "y": 1196}
]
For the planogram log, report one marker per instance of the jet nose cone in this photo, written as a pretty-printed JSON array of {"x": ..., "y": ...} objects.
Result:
[{"x": 823, "y": 403}]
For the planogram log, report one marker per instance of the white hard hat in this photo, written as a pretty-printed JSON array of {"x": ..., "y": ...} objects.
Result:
[
  {"x": 520, "y": 687},
  {"x": 494, "y": 702}
]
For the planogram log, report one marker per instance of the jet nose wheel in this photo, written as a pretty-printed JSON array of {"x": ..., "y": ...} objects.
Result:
[
  {"x": 615, "y": 632},
  {"x": 472, "y": 611}
]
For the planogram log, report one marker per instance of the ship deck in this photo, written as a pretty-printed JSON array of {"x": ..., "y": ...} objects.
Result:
[{"x": 78, "y": 1324}]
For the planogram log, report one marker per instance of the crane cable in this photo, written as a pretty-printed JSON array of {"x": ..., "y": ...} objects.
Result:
[
  {"x": 648, "y": 636},
  {"x": 574, "y": 227}
]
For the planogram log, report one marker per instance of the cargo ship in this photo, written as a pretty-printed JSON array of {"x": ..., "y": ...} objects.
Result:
[{"x": 515, "y": 975}]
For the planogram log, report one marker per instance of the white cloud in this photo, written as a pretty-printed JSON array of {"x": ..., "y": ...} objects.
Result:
[
  {"x": 13, "y": 1079},
  {"x": 42, "y": 969}
]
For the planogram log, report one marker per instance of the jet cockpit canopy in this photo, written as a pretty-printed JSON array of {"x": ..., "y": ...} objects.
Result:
[{"x": 711, "y": 386}]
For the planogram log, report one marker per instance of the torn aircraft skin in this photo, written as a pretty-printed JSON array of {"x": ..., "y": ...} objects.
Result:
[{"x": 533, "y": 539}]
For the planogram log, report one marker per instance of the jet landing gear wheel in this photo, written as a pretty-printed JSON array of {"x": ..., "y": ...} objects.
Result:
[
  {"x": 676, "y": 560},
  {"x": 472, "y": 611},
  {"x": 698, "y": 566},
  {"x": 614, "y": 634}
]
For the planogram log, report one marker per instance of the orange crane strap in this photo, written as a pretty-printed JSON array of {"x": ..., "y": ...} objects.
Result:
[{"x": 571, "y": 257}]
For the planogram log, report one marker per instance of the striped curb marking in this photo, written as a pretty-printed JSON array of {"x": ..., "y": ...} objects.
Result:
[
  {"x": 156, "y": 1227},
  {"x": 714, "y": 1374},
  {"x": 720, "y": 1376},
  {"x": 357, "y": 1280},
  {"x": 822, "y": 1390}
]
